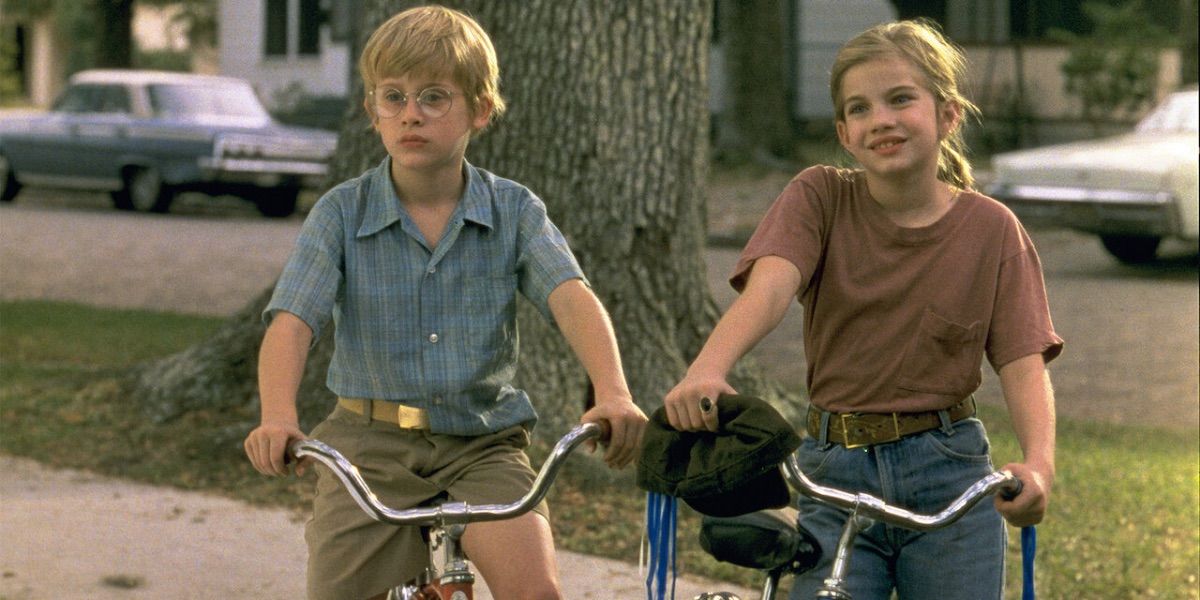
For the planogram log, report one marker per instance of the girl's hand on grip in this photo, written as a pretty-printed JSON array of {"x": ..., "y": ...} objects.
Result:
[
  {"x": 1028, "y": 507},
  {"x": 692, "y": 404}
]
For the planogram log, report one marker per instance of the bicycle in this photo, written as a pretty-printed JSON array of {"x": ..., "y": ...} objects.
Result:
[
  {"x": 742, "y": 540},
  {"x": 446, "y": 521}
]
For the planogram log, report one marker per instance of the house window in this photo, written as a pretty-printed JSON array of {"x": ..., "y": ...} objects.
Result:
[
  {"x": 276, "y": 23},
  {"x": 311, "y": 19},
  {"x": 293, "y": 27}
]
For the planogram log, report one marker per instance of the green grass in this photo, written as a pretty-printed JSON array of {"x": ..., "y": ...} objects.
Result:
[
  {"x": 1124, "y": 520},
  {"x": 42, "y": 333}
]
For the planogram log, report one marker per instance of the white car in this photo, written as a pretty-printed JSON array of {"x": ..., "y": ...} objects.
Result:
[{"x": 1133, "y": 190}]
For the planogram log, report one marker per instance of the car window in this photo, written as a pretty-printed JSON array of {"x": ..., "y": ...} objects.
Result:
[
  {"x": 113, "y": 99},
  {"x": 77, "y": 99},
  {"x": 193, "y": 100},
  {"x": 92, "y": 98},
  {"x": 1177, "y": 114}
]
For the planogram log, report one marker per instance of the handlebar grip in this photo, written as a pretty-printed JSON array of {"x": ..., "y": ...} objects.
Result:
[
  {"x": 1013, "y": 490},
  {"x": 605, "y": 430},
  {"x": 589, "y": 402}
]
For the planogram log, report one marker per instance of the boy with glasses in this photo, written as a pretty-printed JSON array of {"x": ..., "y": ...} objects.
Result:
[{"x": 419, "y": 261}]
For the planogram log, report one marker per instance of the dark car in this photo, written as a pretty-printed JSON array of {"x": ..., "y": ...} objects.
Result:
[{"x": 145, "y": 136}]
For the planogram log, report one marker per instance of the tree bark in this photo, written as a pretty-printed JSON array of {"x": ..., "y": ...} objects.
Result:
[
  {"x": 114, "y": 37},
  {"x": 1189, "y": 46},
  {"x": 607, "y": 123}
]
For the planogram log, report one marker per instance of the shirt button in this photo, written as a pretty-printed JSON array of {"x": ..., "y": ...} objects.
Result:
[
  {"x": 433, "y": 338},
  {"x": 432, "y": 270}
]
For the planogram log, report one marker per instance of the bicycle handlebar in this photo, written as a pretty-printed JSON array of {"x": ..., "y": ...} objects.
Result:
[
  {"x": 870, "y": 506},
  {"x": 450, "y": 512}
]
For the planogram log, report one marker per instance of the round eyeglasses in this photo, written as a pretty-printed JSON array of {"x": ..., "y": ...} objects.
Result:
[{"x": 432, "y": 102}]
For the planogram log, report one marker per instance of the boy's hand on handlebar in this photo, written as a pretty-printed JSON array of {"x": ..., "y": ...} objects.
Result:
[
  {"x": 692, "y": 404},
  {"x": 626, "y": 423},
  {"x": 267, "y": 447},
  {"x": 1028, "y": 507}
]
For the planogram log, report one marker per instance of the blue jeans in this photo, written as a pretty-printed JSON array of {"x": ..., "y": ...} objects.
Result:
[{"x": 924, "y": 473}]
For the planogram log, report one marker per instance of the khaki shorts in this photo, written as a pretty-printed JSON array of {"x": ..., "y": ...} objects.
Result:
[{"x": 350, "y": 555}]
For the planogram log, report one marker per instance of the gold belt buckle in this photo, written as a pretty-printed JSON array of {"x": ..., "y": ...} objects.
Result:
[
  {"x": 408, "y": 417},
  {"x": 846, "y": 431}
]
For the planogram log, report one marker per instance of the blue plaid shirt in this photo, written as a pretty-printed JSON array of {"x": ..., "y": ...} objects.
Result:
[{"x": 435, "y": 328}]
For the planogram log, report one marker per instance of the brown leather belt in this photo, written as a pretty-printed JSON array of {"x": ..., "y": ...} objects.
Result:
[
  {"x": 855, "y": 430},
  {"x": 404, "y": 417}
]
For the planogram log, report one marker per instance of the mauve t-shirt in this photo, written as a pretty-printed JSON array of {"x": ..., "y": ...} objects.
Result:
[{"x": 899, "y": 319}]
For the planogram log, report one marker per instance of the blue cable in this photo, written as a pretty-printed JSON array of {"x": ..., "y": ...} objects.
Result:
[
  {"x": 660, "y": 532},
  {"x": 1028, "y": 552}
]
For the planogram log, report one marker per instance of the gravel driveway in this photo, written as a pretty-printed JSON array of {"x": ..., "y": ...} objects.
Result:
[{"x": 209, "y": 262}]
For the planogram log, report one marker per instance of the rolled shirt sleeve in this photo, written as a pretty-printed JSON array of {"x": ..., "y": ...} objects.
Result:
[
  {"x": 544, "y": 260},
  {"x": 312, "y": 277}
]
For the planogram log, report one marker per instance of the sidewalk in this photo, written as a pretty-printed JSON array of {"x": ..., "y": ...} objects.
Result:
[{"x": 69, "y": 535}]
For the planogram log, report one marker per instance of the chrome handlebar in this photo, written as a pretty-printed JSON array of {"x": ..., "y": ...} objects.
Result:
[
  {"x": 872, "y": 507},
  {"x": 448, "y": 513}
]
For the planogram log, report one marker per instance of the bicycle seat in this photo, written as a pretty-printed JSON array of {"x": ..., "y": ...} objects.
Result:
[{"x": 767, "y": 540}]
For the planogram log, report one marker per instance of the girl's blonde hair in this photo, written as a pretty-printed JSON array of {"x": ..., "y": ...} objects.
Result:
[
  {"x": 922, "y": 44},
  {"x": 435, "y": 41}
]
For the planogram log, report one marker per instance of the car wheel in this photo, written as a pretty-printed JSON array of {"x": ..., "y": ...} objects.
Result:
[
  {"x": 144, "y": 192},
  {"x": 1132, "y": 249},
  {"x": 8, "y": 183},
  {"x": 276, "y": 203}
]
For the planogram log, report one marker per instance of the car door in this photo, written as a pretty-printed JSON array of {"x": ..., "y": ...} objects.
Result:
[
  {"x": 78, "y": 143},
  {"x": 38, "y": 147},
  {"x": 99, "y": 136}
]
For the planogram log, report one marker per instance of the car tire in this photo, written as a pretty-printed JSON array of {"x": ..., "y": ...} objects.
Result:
[
  {"x": 8, "y": 182},
  {"x": 1132, "y": 249},
  {"x": 276, "y": 203},
  {"x": 144, "y": 191}
]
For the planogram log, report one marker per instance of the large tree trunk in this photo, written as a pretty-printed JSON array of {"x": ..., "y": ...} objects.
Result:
[
  {"x": 607, "y": 123},
  {"x": 1189, "y": 70},
  {"x": 114, "y": 36},
  {"x": 756, "y": 126}
]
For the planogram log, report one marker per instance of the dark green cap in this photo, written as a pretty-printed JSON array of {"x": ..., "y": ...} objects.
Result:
[{"x": 731, "y": 472}]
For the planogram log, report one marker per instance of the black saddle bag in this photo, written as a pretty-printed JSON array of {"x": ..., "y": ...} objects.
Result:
[{"x": 767, "y": 540}]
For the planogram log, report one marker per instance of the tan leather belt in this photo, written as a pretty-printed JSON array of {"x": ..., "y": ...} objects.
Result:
[
  {"x": 855, "y": 430},
  {"x": 404, "y": 417}
]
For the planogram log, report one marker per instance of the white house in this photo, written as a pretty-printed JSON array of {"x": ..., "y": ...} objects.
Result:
[
  {"x": 284, "y": 47},
  {"x": 288, "y": 47}
]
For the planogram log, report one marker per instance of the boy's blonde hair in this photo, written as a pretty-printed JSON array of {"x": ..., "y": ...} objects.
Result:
[
  {"x": 435, "y": 41},
  {"x": 921, "y": 44}
]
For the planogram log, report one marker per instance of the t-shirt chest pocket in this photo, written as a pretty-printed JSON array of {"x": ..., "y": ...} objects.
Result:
[{"x": 943, "y": 358}]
